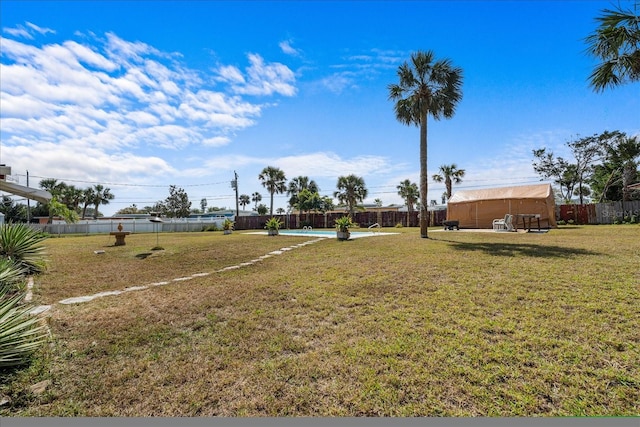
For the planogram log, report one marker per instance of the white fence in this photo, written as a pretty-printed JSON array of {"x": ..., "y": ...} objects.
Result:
[{"x": 133, "y": 225}]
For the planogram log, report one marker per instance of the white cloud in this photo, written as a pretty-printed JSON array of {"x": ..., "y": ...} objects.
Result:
[
  {"x": 18, "y": 32},
  {"x": 217, "y": 141},
  {"x": 90, "y": 57},
  {"x": 143, "y": 118},
  {"x": 24, "y": 106},
  {"x": 121, "y": 50},
  {"x": 339, "y": 82},
  {"x": 286, "y": 47},
  {"x": 27, "y": 32},
  {"x": 88, "y": 164},
  {"x": 73, "y": 108},
  {"x": 231, "y": 74},
  {"x": 40, "y": 30},
  {"x": 261, "y": 78}
]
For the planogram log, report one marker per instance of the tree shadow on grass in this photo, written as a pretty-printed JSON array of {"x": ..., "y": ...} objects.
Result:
[{"x": 521, "y": 249}]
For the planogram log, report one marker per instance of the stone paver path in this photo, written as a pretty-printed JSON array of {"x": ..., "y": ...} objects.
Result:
[{"x": 87, "y": 298}]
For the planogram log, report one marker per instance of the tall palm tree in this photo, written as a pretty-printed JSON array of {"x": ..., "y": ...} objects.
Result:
[
  {"x": 256, "y": 198},
  {"x": 274, "y": 181},
  {"x": 409, "y": 192},
  {"x": 296, "y": 185},
  {"x": 351, "y": 190},
  {"x": 617, "y": 43},
  {"x": 101, "y": 196},
  {"x": 449, "y": 174},
  {"x": 426, "y": 87},
  {"x": 87, "y": 198},
  {"x": 244, "y": 200}
]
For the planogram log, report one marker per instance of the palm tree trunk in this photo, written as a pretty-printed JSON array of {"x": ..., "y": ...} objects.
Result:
[
  {"x": 424, "y": 218},
  {"x": 271, "y": 209}
]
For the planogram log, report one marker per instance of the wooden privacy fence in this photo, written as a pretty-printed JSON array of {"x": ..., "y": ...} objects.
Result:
[
  {"x": 364, "y": 219},
  {"x": 598, "y": 213}
]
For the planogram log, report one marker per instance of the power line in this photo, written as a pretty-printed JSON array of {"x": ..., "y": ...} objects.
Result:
[{"x": 125, "y": 185}]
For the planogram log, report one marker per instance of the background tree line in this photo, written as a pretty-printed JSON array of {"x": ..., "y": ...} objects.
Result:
[{"x": 602, "y": 168}]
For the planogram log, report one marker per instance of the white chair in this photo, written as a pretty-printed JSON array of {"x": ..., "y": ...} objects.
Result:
[{"x": 503, "y": 224}]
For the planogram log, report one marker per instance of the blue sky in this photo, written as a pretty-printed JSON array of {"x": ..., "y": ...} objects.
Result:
[{"x": 141, "y": 95}]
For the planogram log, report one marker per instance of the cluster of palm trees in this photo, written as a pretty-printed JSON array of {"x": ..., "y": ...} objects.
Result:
[
  {"x": 350, "y": 191},
  {"x": 449, "y": 174},
  {"x": 304, "y": 193},
  {"x": 76, "y": 200}
]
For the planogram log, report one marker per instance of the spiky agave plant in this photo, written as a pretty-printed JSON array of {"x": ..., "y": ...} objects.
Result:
[
  {"x": 22, "y": 245},
  {"x": 21, "y": 333},
  {"x": 11, "y": 275},
  {"x": 21, "y": 253}
]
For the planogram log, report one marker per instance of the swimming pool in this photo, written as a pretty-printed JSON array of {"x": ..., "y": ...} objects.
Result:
[{"x": 326, "y": 233}]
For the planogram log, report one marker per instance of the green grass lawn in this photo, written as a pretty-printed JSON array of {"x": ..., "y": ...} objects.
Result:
[{"x": 461, "y": 324}]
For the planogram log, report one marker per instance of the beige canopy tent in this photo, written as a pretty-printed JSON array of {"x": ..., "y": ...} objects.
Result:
[{"x": 478, "y": 208}]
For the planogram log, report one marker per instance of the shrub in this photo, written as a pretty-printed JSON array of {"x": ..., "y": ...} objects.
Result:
[
  {"x": 343, "y": 223},
  {"x": 227, "y": 224},
  {"x": 399, "y": 225},
  {"x": 273, "y": 223},
  {"x": 561, "y": 222}
]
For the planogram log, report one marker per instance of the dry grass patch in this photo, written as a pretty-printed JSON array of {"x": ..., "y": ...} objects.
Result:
[{"x": 461, "y": 324}]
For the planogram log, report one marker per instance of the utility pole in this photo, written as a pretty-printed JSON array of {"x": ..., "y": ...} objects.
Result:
[
  {"x": 28, "y": 203},
  {"x": 234, "y": 185}
]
